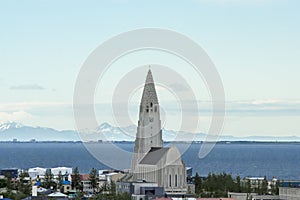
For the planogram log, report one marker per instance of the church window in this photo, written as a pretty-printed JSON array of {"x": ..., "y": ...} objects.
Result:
[
  {"x": 170, "y": 180},
  {"x": 180, "y": 179},
  {"x": 151, "y": 104},
  {"x": 155, "y": 108},
  {"x": 176, "y": 180}
]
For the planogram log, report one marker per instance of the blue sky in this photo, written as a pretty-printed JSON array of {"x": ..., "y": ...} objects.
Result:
[{"x": 254, "y": 44}]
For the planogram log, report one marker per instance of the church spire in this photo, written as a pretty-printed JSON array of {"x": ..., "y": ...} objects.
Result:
[
  {"x": 149, "y": 78},
  {"x": 149, "y": 93},
  {"x": 149, "y": 132}
]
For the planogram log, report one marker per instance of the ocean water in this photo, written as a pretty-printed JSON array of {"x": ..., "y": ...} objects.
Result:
[{"x": 245, "y": 159}]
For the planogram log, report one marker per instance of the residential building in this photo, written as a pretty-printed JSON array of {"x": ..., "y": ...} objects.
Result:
[
  {"x": 12, "y": 172},
  {"x": 37, "y": 172},
  {"x": 86, "y": 183},
  {"x": 63, "y": 170},
  {"x": 140, "y": 189},
  {"x": 252, "y": 196},
  {"x": 66, "y": 187},
  {"x": 289, "y": 193}
]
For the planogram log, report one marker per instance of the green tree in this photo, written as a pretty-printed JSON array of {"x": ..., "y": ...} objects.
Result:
[
  {"x": 76, "y": 182},
  {"x": 124, "y": 196},
  {"x": 238, "y": 184},
  {"x": 112, "y": 188},
  {"x": 274, "y": 186},
  {"x": 8, "y": 182},
  {"x": 104, "y": 188},
  {"x": 24, "y": 185},
  {"x": 93, "y": 178},
  {"x": 216, "y": 185},
  {"x": 264, "y": 186},
  {"x": 198, "y": 184},
  {"x": 2, "y": 183},
  {"x": 59, "y": 180},
  {"x": 248, "y": 189},
  {"x": 48, "y": 180}
]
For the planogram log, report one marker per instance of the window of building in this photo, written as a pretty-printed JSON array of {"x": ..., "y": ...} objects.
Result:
[
  {"x": 176, "y": 180},
  {"x": 170, "y": 180},
  {"x": 180, "y": 179}
]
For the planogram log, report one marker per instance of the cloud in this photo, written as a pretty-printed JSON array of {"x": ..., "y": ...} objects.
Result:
[
  {"x": 14, "y": 116},
  {"x": 27, "y": 87},
  {"x": 178, "y": 87},
  {"x": 264, "y": 107},
  {"x": 30, "y": 106}
]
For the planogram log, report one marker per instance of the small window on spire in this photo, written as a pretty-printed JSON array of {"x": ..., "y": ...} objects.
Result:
[{"x": 151, "y": 104}]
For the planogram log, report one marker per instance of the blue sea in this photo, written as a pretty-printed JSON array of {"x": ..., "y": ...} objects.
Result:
[{"x": 244, "y": 159}]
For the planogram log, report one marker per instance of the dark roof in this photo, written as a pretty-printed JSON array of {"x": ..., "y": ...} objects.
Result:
[{"x": 154, "y": 155}]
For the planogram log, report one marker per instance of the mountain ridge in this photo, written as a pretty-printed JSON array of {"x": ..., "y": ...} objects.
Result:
[{"x": 13, "y": 131}]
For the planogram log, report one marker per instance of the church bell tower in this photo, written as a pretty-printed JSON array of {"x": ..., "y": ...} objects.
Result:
[{"x": 149, "y": 132}]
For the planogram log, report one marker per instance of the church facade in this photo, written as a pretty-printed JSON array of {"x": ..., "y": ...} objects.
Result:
[{"x": 151, "y": 162}]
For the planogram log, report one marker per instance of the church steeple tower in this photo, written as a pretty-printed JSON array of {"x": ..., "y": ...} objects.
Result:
[
  {"x": 149, "y": 97},
  {"x": 149, "y": 132}
]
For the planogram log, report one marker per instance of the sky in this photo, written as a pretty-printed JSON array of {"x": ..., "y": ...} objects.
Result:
[{"x": 254, "y": 45}]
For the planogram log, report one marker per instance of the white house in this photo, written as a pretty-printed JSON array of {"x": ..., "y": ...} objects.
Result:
[{"x": 36, "y": 172}]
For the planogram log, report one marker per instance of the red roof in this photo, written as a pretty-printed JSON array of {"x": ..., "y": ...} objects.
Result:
[
  {"x": 163, "y": 198},
  {"x": 215, "y": 199},
  {"x": 83, "y": 177},
  {"x": 169, "y": 198}
]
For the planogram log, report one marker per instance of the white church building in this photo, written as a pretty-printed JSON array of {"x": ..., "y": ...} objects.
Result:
[{"x": 151, "y": 162}]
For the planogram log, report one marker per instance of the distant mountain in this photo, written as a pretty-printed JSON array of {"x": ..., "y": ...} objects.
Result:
[{"x": 15, "y": 131}]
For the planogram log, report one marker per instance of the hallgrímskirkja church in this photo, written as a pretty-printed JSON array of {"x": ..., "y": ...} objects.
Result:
[{"x": 151, "y": 162}]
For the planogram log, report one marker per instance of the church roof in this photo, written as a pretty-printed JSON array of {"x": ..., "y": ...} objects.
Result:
[
  {"x": 149, "y": 93},
  {"x": 154, "y": 155}
]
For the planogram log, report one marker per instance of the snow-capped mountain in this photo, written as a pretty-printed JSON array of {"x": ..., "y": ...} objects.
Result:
[
  {"x": 10, "y": 131},
  {"x": 15, "y": 131},
  {"x": 9, "y": 125}
]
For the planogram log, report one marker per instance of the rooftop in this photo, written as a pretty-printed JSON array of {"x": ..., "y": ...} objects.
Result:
[{"x": 154, "y": 155}]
